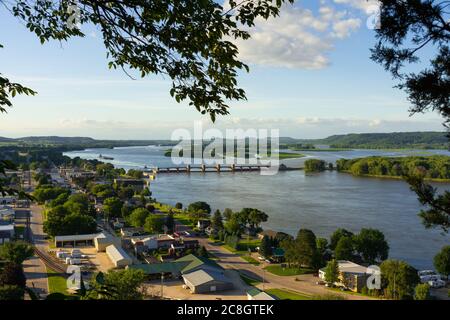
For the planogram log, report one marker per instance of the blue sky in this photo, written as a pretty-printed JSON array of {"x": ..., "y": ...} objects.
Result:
[{"x": 310, "y": 76}]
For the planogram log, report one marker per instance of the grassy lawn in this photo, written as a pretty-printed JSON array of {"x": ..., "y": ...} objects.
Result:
[
  {"x": 287, "y": 295},
  {"x": 250, "y": 260},
  {"x": 56, "y": 282},
  {"x": 280, "y": 271},
  {"x": 184, "y": 219},
  {"x": 249, "y": 281},
  {"x": 166, "y": 208}
]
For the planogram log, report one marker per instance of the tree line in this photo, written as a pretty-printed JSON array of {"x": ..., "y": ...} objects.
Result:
[{"x": 432, "y": 167}]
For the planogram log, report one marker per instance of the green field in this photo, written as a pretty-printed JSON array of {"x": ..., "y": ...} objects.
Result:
[
  {"x": 280, "y": 271},
  {"x": 287, "y": 295},
  {"x": 56, "y": 282}
]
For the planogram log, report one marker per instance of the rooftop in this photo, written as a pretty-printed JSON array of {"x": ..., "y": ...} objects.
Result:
[
  {"x": 7, "y": 227},
  {"x": 117, "y": 253},
  {"x": 200, "y": 277},
  {"x": 351, "y": 267}
]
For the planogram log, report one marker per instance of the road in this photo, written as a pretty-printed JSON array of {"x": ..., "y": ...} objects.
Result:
[
  {"x": 34, "y": 268},
  {"x": 305, "y": 284}
]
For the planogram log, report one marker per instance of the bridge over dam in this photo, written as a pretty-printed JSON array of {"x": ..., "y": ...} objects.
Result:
[{"x": 211, "y": 168}]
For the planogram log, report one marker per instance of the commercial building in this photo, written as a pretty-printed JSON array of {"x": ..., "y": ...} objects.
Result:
[
  {"x": 118, "y": 256},
  {"x": 98, "y": 240},
  {"x": 207, "y": 280},
  {"x": 351, "y": 275}
]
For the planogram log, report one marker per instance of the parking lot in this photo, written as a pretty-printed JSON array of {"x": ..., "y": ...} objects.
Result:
[
  {"x": 173, "y": 289},
  {"x": 96, "y": 261}
]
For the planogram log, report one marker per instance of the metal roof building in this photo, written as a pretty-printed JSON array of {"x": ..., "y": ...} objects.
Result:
[
  {"x": 207, "y": 280},
  {"x": 118, "y": 256}
]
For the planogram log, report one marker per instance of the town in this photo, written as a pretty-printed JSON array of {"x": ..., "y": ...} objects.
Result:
[{"x": 83, "y": 229}]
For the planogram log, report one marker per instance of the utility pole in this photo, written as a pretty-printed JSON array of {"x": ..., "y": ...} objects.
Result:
[{"x": 162, "y": 285}]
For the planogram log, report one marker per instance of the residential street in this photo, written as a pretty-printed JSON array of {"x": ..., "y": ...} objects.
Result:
[
  {"x": 305, "y": 284},
  {"x": 35, "y": 270}
]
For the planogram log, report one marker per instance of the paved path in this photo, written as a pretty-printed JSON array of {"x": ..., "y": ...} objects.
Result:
[
  {"x": 305, "y": 284},
  {"x": 35, "y": 270}
]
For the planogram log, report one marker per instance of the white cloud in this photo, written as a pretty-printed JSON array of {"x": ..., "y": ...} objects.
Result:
[
  {"x": 342, "y": 29},
  {"x": 368, "y": 6},
  {"x": 298, "y": 38}
]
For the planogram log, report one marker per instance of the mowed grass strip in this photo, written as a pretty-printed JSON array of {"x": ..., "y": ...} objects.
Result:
[
  {"x": 278, "y": 270},
  {"x": 283, "y": 294}
]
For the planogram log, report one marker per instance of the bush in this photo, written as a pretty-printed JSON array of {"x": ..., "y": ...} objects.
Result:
[{"x": 422, "y": 292}]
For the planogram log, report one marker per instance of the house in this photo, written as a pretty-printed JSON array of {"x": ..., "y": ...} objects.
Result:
[
  {"x": 161, "y": 241},
  {"x": 6, "y": 233},
  {"x": 182, "y": 245},
  {"x": 269, "y": 233},
  {"x": 137, "y": 184},
  {"x": 256, "y": 294},
  {"x": 202, "y": 224},
  {"x": 207, "y": 280},
  {"x": 131, "y": 232},
  {"x": 7, "y": 214},
  {"x": 118, "y": 256},
  {"x": 351, "y": 275}
]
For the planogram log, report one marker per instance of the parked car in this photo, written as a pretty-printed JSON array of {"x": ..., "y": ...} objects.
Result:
[
  {"x": 438, "y": 283},
  {"x": 426, "y": 273},
  {"x": 431, "y": 277}
]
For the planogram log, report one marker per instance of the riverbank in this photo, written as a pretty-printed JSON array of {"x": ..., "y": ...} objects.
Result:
[{"x": 392, "y": 177}]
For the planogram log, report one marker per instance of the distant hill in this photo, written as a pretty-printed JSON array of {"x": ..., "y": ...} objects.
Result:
[
  {"x": 56, "y": 140},
  {"x": 77, "y": 142},
  {"x": 395, "y": 140},
  {"x": 419, "y": 140}
]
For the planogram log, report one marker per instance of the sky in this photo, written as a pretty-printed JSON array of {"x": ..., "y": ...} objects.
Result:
[{"x": 310, "y": 77}]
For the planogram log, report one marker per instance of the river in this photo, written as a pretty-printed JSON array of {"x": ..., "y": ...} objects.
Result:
[{"x": 321, "y": 202}]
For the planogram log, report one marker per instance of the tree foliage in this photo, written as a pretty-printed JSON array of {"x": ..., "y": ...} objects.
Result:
[
  {"x": 442, "y": 261},
  {"x": 371, "y": 245},
  {"x": 437, "y": 212},
  {"x": 190, "y": 42},
  {"x": 332, "y": 271},
  {"x": 138, "y": 217},
  {"x": 16, "y": 251},
  {"x": 422, "y": 292},
  {"x": 398, "y": 279},
  {"x": 315, "y": 165},
  {"x": 407, "y": 30}
]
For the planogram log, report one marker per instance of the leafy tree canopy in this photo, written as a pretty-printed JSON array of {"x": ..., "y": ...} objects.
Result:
[
  {"x": 190, "y": 42},
  {"x": 407, "y": 30}
]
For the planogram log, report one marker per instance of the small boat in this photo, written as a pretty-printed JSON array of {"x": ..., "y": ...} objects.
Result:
[{"x": 105, "y": 157}]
